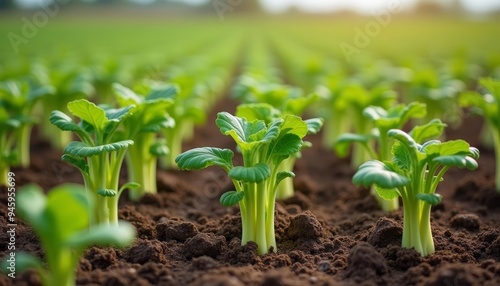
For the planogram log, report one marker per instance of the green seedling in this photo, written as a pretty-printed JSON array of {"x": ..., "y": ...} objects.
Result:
[
  {"x": 264, "y": 147},
  {"x": 8, "y": 127},
  {"x": 347, "y": 105},
  {"x": 488, "y": 105},
  {"x": 99, "y": 154},
  {"x": 377, "y": 143},
  {"x": 266, "y": 112},
  {"x": 70, "y": 83},
  {"x": 61, "y": 221},
  {"x": 19, "y": 99},
  {"x": 414, "y": 175},
  {"x": 147, "y": 120}
]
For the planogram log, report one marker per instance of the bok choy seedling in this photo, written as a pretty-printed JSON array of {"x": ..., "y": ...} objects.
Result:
[
  {"x": 488, "y": 105},
  {"x": 19, "y": 99},
  {"x": 8, "y": 127},
  {"x": 148, "y": 119},
  {"x": 99, "y": 154},
  {"x": 61, "y": 221},
  {"x": 266, "y": 112},
  {"x": 414, "y": 174},
  {"x": 378, "y": 143},
  {"x": 264, "y": 147}
]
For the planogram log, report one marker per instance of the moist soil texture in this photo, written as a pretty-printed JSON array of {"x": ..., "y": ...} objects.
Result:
[{"x": 330, "y": 233}]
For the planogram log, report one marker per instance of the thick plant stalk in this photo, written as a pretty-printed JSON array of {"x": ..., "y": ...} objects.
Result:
[
  {"x": 495, "y": 133},
  {"x": 141, "y": 165},
  {"x": 285, "y": 188},
  {"x": 23, "y": 145},
  {"x": 174, "y": 142}
]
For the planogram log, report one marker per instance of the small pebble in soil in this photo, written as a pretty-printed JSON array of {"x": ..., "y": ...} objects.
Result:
[
  {"x": 385, "y": 232},
  {"x": 365, "y": 261},
  {"x": 469, "y": 222},
  {"x": 304, "y": 226},
  {"x": 204, "y": 244},
  {"x": 324, "y": 265}
]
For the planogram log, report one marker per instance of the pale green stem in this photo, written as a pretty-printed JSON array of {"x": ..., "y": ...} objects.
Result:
[
  {"x": 425, "y": 230},
  {"x": 285, "y": 187},
  {"x": 495, "y": 133},
  {"x": 261, "y": 237},
  {"x": 23, "y": 145}
]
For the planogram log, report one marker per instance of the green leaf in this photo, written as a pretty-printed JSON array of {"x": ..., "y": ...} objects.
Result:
[
  {"x": 257, "y": 111},
  {"x": 314, "y": 125},
  {"x": 118, "y": 114},
  {"x": 286, "y": 145},
  {"x": 295, "y": 125},
  {"x": 298, "y": 105},
  {"x": 30, "y": 205},
  {"x": 68, "y": 205},
  {"x": 24, "y": 261},
  {"x": 461, "y": 161},
  {"x": 432, "y": 199},
  {"x": 229, "y": 199},
  {"x": 432, "y": 129},
  {"x": 412, "y": 110},
  {"x": 78, "y": 162},
  {"x": 254, "y": 174},
  {"x": 64, "y": 122},
  {"x": 387, "y": 194},
  {"x": 474, "y": 152},
  {"x": 404, "y": 138},
  {"x": 129, "y": 185},
  {"x": 239, "y": 128},
  {"x": 106, "y": 192},
  {"x": 165, "y": 92},
  {"x": 89, "y": 112},
  {"x": 452, "y": 147},
  {"x": 375, "y": 113},
  {"x": 200, "y": 158},
  {"x": 283, "y": 175},
  {"x": 380, "y": 174},
  {"x": 119, "y": 235},
  {"x": 345, "y": 140},
  {"x": 402, "y": 156},
  {"x": 125, "y": 95},
  {"x": 81, "y": 149},
  {"x": 159, "y": 148}
]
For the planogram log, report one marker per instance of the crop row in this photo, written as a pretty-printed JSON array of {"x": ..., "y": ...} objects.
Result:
[{"x": 102, "y": 115}]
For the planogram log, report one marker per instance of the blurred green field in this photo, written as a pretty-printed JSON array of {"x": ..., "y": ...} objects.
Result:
[{"x": 404, "y": 36}]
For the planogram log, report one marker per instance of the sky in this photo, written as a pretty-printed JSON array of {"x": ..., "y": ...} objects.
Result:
[{"x": 363, "y": 6}]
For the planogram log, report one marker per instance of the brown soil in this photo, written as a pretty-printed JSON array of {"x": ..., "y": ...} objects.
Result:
[{"x": 329, "y": 233}]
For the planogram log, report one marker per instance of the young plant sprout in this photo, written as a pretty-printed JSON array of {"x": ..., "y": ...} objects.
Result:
[
  {"x": 264, "y": 147},
  {"x": 414, "y": 174},
  {"x": 266, "y": 112},
  {"x": 99, "y": 154},
  {"x": 142, "y": 126},
  {"x": 19, "y": 98},
  {"x": 61, "y": 221},
  {"x": 70, "y": 83},
  {"x": 350, "y": 102},
  {"x": 378, "y": 144},
  {"x": 8, "y": 127},
  {"x": 488, "y": 105}
]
